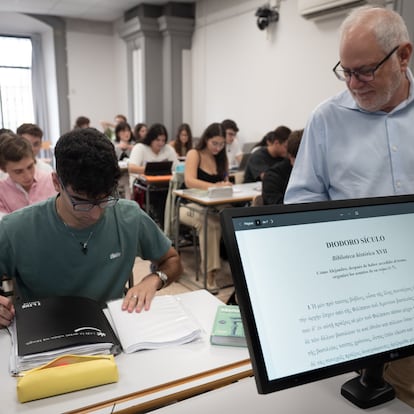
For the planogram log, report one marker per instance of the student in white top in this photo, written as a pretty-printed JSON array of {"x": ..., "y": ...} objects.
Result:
[
  {"x": 233, "y": 149},
  {"x": 153, "y": 148}
]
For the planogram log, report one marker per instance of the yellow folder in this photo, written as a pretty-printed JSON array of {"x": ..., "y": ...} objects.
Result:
[{"x": 65, "y": 374}]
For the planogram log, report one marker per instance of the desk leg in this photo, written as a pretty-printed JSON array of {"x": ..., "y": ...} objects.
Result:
[
  {"x": 147, "y": 199},
  {"x": 205, "y": 246},
  {"x": 178, "y": 201},
  {"x": 177, "y": 222}
]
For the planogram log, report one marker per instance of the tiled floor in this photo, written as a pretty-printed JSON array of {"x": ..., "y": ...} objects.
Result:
[{"x": 188, "y": 281}]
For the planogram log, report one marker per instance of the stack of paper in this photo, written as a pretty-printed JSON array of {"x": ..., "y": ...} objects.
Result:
[{"x": 166, "y": 323}]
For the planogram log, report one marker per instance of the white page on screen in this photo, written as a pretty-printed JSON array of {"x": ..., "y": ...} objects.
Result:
[{"x": 336, "y": 291}]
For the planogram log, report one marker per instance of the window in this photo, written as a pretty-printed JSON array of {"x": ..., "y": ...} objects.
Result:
[{"x": 16, "y": 102}]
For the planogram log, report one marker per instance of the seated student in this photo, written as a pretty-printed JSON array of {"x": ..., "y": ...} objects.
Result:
[
  {"x": 206, "y": 166},
  {"x": 152, "y": 149},
  {"x": 233, "y": 149},
  {"x": 35, "y": 135},
  {"x": 183, "y": 141},
  {"x": 262, "y": 159},
  {"x": 82, "y": 122},
  {"x": 263, "y": 142},
  {"x": 124, "y": 142},
  {"x": 84, "y": 241},
  {"x": 140, "y": 131},
  {"x": 109, "y": 127},
  {"x": 25, "y": 184},
  {"x": 276, "y": 178}
]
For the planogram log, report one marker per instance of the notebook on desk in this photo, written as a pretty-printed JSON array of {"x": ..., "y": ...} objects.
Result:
[
  {"x": 158, "y": 168},
  {"x": 214, "y": 192}
]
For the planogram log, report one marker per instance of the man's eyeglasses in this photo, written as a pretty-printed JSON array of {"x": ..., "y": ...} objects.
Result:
[
  {"x": 363, "y": 75},
  {"x": 88, "y": 205}
]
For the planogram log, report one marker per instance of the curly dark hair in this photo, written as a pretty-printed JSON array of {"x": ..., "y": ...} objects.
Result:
[{"x": 86, "y": 160}]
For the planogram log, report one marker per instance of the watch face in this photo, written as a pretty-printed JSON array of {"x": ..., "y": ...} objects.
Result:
[{"x": 162, "y": 276}]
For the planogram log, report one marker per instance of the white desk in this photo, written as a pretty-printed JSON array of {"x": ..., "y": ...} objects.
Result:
[
  {"x": 166, "y": 374},
  {"x": 322, "y": 397},
  {"x": 241, "y": 193}
]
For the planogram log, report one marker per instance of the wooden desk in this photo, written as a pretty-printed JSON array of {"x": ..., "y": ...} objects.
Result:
[
  {"x": 241, "y": 193},
  {"x": 147, "y": 378},
  {"x": 322, "y": 397}
]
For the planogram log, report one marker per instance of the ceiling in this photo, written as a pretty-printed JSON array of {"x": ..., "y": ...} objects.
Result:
[{"x": 101, "y": 10}]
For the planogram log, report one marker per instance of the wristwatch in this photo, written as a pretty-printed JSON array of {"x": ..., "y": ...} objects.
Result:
[{"x": 163, "y": 277}]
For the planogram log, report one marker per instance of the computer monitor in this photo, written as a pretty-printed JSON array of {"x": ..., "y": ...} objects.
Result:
[{"x": 324, "y": 289}]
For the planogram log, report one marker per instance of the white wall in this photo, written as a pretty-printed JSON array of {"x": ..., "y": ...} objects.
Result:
[
  {"x": 96, "y": 72},
  {"x": 261, "y": 79}
]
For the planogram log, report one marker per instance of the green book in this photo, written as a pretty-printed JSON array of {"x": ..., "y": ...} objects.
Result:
[{"x": 228, "y": 327}]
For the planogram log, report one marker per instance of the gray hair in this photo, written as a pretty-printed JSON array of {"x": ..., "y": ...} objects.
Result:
[{"x": 387, "y": 25}]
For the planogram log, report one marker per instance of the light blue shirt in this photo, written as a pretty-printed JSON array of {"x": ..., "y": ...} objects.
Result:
[{"x": 347, "y": 152}]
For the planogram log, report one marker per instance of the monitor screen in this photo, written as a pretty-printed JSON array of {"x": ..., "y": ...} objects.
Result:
[{"x": 323, "y": 288}]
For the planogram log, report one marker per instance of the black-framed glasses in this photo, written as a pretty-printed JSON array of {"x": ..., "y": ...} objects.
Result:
[
  {"x": 363, "y": 75},
  {"x": 88, "y": 205}
]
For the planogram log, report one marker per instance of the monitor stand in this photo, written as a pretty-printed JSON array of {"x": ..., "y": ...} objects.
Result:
[{"x": 369, "y": 389}]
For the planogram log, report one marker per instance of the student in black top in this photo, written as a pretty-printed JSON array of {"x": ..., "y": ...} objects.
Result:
[
  {"x": 264, "y": 157},
  {"x": 207, "y": 166},
  {"x": 276, "y": 178}
]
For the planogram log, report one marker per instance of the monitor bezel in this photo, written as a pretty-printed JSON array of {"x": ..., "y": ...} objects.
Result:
[{"x": 263, "y": 382}]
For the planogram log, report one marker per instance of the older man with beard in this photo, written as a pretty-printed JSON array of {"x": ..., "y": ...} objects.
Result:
[{"x": 360, "y": 143}]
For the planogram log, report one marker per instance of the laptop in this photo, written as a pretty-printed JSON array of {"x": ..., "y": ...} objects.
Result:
[
  {"x": 158, "y": 168},
  {"x": 324, "y": 288}
]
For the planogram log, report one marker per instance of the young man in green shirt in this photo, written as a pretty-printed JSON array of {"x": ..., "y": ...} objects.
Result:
[{"x": 84, "y": 241}]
